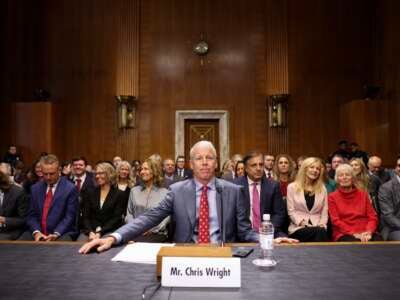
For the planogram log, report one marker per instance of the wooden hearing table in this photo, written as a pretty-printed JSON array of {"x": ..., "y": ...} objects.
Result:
[{"x": 56, "y": 270}]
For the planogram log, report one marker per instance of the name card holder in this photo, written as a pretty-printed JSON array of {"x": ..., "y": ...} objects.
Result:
[
  {"x": 216, "y": 272},
  {"x": 191, "y": 251}
]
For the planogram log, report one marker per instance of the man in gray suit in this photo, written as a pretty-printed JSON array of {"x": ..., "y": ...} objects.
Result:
[
  {"x": 184, "y": 204},
  {"x": 13, "y": 209},
  {"x": 389, "y": 202}
]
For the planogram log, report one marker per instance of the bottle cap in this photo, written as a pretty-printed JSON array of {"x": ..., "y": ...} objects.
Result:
[{"x": 266, "y": 217}]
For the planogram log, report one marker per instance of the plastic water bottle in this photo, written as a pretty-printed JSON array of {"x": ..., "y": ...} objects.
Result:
[{"x": 266, "y": 258}]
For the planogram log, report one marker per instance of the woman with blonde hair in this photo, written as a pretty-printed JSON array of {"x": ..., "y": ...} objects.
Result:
[
  {"x": 352, "y": 215},
  {"x": 103, "y": 206},
  {"x": 307, "y": 203},
  {"x": 125, "y": 179},
  {"x": 148, "y": 195}
]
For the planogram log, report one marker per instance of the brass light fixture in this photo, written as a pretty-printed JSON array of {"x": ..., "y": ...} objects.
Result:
[
  {"x": 126, "y": 111},
  {"x": 277, "y": 110}
]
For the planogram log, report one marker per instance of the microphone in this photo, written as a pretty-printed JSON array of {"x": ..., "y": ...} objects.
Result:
[{"x": 219, "y": 191}]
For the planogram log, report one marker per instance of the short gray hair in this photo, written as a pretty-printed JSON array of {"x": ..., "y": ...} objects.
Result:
[
  {"x": 202, "y": 144},
  {"x": 49, "y": 160},
  {"x": 345, "y": 168}
]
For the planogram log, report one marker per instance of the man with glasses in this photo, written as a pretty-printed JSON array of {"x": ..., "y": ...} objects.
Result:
[
  {"x": 180, "y": 169},
  {"x": 204, "y": 209}
]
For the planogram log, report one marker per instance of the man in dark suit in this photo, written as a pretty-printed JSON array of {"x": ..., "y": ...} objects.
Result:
[
  {"x": 84, "y": 182},
  {"x": 54, "y": 205},
  {"x": 375, "y": 168},
  {"x": 170, "y": 176},
  {"x": 389, "y": 203},
  {"x": 262, "y": 196},
  {"x": 216, "y": 201},
  {"x": 13, "y": 209},
  {"x": 180, "y": 170}
]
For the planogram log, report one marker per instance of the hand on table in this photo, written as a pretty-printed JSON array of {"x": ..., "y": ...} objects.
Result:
[
  {"x": 285, "y": 240},
  {"x": 101, "y": 244}
]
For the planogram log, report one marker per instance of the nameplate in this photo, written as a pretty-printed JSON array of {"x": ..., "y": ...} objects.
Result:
[{"x": 201, "y": 272}]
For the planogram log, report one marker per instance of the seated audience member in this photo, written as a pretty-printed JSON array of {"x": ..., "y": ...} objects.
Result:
[
  {"x": 19, "y": 173},
  {"x": 66, "y": 169},
  {"x": 375, "y": 168},
  {"x": 228, "y": 172},
  {"x": 54, "y": 205},
  {"x": 269, "y": 161},
  {"x": 262, "y": 196},
  {"x": 12, "y": 156},
  {"x": 185, "y": 201},
  {"x": 116, "y": 160},
  {"x": 146, "y": 196},
  {"x": 6, "y": 169},
  {"x": 389, "y": 203},
  {"x": 157, "y": 158},
  {"x": 343, "y": 150},
  {"x": 352, "y": 215},
  {"x": 125, "y": 180},
  {"x": 299, "y": 161},
  {"x": 328, "y": 167},
  {"x": 180, "y": 169},
  {"x": 236, "y": 157},
  {"x": 307, "y": 203},
  {"x": 33, "y": 175},
  {"x": 285, "y": 173},
  {"x": 329, "y": 183},
  {"x": 84, "y": 182},
  {"x": 355, "y": 152},
  {"x": 13, "y": 209},
  {"x": 169, "y": 172},
  {"x": 89, "y": 169},
  {"x": 337, "y": 160},
  {"x": 239, "y": 169},
  {"x": 366, "y": 182},
  {"x": 103, "y": 206}
]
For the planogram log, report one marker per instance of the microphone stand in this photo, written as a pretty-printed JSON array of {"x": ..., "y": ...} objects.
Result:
[{"x": 219, "y": 190}]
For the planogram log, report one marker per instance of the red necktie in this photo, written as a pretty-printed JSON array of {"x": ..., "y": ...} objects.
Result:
[
  {"x": 78, "y": 184},
  {"x": 46, "y": 206},
  {"x": 204, "y": 226},
  {"x": 256, "y": 208}
]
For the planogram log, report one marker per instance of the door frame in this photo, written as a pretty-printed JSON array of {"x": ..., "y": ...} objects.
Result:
[{"x": 221, "y": 115}]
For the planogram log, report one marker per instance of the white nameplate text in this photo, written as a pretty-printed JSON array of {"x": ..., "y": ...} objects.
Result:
[{"x": 201, "y": 272}]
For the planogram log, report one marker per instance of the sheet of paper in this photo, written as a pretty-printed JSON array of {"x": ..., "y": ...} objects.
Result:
[{"x": 143, "y": 253}]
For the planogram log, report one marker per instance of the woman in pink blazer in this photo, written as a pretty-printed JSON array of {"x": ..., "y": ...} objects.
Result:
[{"x": 307, "y": 203}]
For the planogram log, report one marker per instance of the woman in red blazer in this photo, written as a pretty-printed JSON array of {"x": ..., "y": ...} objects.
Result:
[
  {"x": 307, "y": 203},
  {"x": 352, "y": 215}
]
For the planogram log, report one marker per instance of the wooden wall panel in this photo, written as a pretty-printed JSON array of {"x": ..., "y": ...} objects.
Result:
[
  {"x": 277, "y": 67},
  {"x": 329, "y": 59},
  {"x": 173, "y": 77},
  {"x": 86, "y": 52}
]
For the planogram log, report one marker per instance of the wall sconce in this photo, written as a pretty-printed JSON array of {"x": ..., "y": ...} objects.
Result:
[
  {"x": 277, "y": 110},
  {"x": 126, "y": 111}
]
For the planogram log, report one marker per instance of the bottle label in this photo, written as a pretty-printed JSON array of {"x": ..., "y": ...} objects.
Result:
[{"x": 267, "y": 241}]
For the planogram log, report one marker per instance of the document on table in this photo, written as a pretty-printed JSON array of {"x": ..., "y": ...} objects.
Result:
[{"x": 143, "y": 253}]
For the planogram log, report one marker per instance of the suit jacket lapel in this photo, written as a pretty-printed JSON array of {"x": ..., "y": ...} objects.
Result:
[
  {"x": 396, "y": 189},
  {"x": 109, "y": 198},
  {"x": 42, "y": 196},
  {"x": 190, "y": 203},
  {"x": 219, "y": 197}
]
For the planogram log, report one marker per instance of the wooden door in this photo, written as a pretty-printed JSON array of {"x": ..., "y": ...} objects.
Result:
[{"x": 198, "y": 130}]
